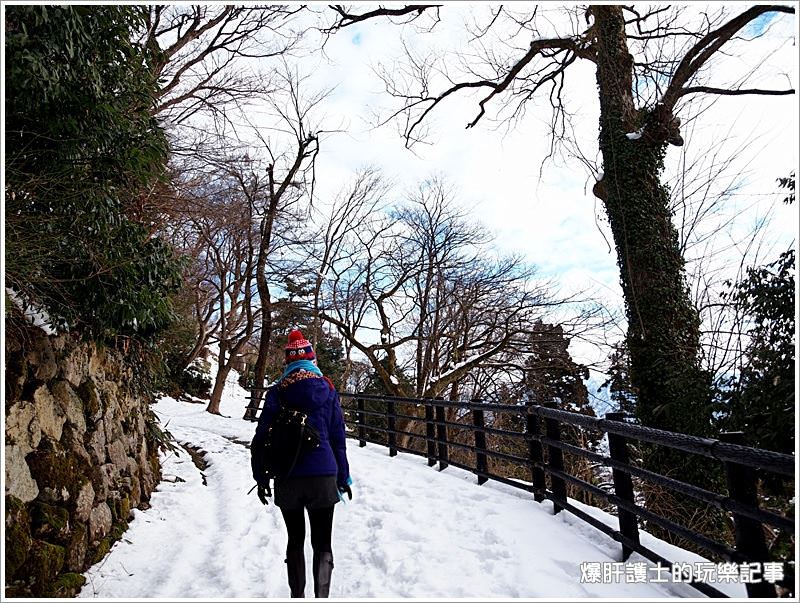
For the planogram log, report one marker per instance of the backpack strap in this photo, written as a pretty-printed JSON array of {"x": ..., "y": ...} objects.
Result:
[{"x": 298, "y": 448}]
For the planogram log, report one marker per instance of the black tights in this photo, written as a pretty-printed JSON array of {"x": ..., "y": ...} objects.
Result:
[{"x": 321, "y": 521}]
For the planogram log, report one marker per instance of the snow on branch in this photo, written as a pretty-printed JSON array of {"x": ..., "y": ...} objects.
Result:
[{"x": 34, "y": 314}]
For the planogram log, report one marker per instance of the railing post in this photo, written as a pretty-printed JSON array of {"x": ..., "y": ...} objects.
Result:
[
  {"x": 749, "y": 534},
  {"x": 555, "y": 460},
  {"x": 362, "y": 432},
  {"x": 390, "y": 420},
  {"x": 623, "y": 485},
  {"x": 252, "y": 406},
  {"x": 249, "y": 411},
  {"x": 430, "y": 434},
  {"x": 533, "y": 427},
  {"x": 481, "y": 466},
  {"x": 441, "y": 436}
]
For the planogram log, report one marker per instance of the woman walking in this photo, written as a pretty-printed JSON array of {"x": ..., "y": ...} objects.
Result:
[{"x": 319, "y": 478}]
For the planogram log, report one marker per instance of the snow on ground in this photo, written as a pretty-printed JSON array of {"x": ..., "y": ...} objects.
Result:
[{"x": 410, "y": 531}]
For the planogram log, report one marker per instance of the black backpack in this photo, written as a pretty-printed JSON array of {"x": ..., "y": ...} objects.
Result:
[{"x": 289, "y": 438}]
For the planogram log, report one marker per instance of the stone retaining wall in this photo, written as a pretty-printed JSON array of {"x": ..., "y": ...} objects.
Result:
[{"x": 79, "y": 455}]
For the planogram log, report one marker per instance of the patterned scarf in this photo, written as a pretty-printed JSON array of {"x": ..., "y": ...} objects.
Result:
[{"x": 305, "y": 365}]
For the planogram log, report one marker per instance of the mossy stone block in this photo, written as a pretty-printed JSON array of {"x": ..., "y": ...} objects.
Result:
[
  {"x": 91, "y": 400},
  {"x": 102, "y": 550},
  {"x": 67, "y": 585},
  {"x": 49, "y": 522},
  {"x": 122, "y": 508},
  {"x": 58, "y": 469},
  {"x": 77, "y": 547},
  {"x": 118, "y": 529},
  {"x": 44, "y": 563},
  {"x": 18, "y": 535}
]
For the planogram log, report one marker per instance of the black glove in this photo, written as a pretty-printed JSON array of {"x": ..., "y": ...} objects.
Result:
[
  {"x": 264, "y": 492},
  {"x": 346, "y": 490}
]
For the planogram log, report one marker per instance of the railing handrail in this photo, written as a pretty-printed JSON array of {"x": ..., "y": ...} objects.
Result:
[{"x": 757, "y": 458}]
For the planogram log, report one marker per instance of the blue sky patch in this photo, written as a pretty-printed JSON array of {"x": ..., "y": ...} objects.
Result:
[
  {"x": 357, "y": 39},
  {"x": 757, "y": 26}
]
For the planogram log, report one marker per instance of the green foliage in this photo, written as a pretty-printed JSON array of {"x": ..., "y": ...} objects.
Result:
[
  {"x": 330, "y": 357},
  {"x": 552, "y": 375},
  {"x": 248, "y": 378},
  {"x": 761, "y": 402},
  {"x": 294, "y": 312},
  {"x": 195, "y": 382},
  {"x": 82, "y": 146},
  {"x": 618, "y": 384},
  {"x": 174, "y": 346},
  {"x": 157, "y": 437},
  {"x": 376, "y": 386},
  {"x": 788, "y": 184}
]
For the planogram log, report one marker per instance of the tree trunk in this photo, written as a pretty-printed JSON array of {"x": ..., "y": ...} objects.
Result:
[
  {"x": 663, "y": 338},
  {"x": 219, "y": 386},
  {"x": 663, "y": 326},
  {"x": 199, "y": 344},
  {"x": 219, "y": 380},
  {"x": 260, "y": 369}
]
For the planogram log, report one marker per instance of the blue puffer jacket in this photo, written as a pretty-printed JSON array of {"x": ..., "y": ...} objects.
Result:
[{"x": 316, "y": 397}]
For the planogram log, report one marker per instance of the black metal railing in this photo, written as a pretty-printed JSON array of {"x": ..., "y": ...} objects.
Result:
[{"x": 428, "y": 434}]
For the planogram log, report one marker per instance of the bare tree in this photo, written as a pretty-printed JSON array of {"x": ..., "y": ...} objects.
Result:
[
  {"x": 707, "y": 202},
  {"x": 181, "y": 228},
  {"x": 424, "y": 301},
  {"x": 344, "y": 16},
  {"x": 198, "y": 54},
  {"x": 648, "y": 64},
  {"x": 354, "y": 205},
  {"x": 290, "y": 153},
  {"x": 217, "y": 232}
]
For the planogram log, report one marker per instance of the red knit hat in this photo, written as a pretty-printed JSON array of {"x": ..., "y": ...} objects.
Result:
[{"x": 298, "y": 348}]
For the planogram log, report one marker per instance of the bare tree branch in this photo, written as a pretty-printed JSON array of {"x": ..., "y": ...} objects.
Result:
[
  {"x": 347, "y": 18},
  {"x": 194, "y": 50},
  {"x": 736, "y": 92},
  {"x": 703, "y": 50},
  {"x": 559, "y": 54}
]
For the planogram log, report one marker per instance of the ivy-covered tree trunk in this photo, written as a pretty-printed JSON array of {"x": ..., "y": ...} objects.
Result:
[
  {"x": 672, "y": 392},
  {"x": 663, "y": 326}
]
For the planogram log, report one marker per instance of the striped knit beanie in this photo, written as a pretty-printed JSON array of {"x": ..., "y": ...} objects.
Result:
[{"x": 298, "y": 348}]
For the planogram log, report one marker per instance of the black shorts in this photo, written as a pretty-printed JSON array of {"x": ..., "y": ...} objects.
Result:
[{"x": 312, "y": 492}]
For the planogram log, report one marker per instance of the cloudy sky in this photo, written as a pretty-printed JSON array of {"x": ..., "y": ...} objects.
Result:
[{"x": 548, "y": 212}]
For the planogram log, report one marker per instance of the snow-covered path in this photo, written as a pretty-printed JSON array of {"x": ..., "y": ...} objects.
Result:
[{"x": 410, "y": 531}]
